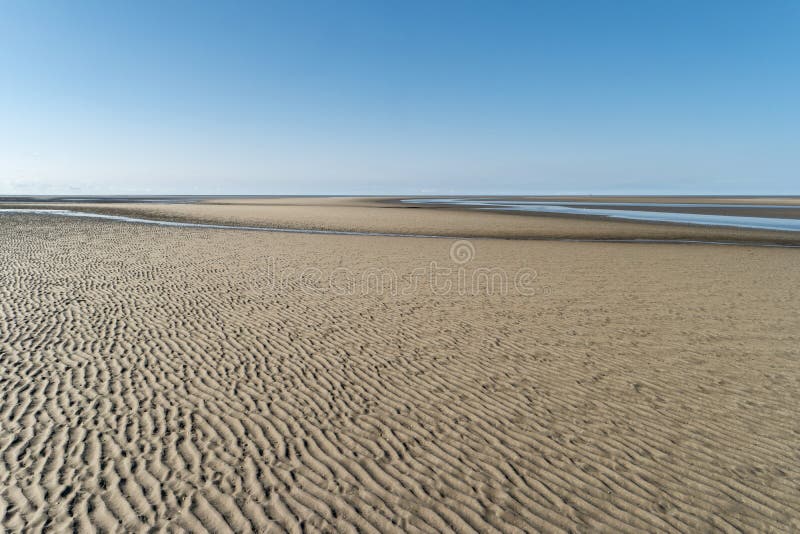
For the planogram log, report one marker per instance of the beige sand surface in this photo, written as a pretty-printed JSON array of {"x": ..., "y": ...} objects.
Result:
[
  {"x": 222, "y": 380},
  {"x": 386, "y": 215}
]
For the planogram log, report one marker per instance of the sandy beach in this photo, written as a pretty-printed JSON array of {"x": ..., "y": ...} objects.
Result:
[
  {"x": 230, "y": 381},
  {"x": 390, "y": 216}
]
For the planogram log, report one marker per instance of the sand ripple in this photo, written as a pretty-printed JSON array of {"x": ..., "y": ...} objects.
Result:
[{"x": 157, "y": 378}]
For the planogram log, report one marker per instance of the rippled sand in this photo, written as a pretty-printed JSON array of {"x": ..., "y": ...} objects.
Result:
[{"x": 215, "y": 380}]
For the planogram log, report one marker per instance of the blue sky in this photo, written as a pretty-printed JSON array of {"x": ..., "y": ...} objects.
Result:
[{"x": 337, "y": 97}]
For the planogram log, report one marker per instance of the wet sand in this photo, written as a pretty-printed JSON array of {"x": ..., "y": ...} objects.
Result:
[
  {"x": 391, "y": 216},
  {"x": 220, "y": 380}
]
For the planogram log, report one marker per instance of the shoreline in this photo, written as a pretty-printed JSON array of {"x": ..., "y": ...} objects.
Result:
[
  {"x": 184, "y": 224},
  {"x": 388, "y": 216}
]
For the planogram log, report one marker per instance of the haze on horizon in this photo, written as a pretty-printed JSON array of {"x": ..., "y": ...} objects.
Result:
[{"x": 399, "y": 98}]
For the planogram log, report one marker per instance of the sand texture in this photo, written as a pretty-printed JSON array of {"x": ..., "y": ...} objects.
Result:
[
  {"x": 388, "y": 215},
  {"x": 199, "y": 380}
]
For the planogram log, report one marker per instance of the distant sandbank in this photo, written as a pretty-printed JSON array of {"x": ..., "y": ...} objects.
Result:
[{"x": 389, "y": 215}]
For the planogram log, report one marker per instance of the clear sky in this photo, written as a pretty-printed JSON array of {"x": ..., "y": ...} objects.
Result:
[{"x": 339, "y": 97}]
